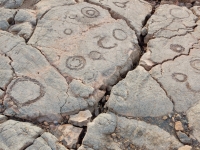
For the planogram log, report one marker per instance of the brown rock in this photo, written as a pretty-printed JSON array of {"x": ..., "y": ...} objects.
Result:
[
  {"x": 178, "y": 126},
  {"x": 186, "y": 147}
]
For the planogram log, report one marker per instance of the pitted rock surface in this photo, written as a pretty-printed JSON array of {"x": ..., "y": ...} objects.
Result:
[
  {"x": 135, "y": 96},
  {"x": 130, "y": 10},
  {"x": 87, "y": 44},
  {"x": 109, "y": 131}
]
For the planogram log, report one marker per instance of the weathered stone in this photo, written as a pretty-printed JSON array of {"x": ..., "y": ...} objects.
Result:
[
  {"x": 45, "y": 5},
  {"x": 17, "y": 135},
  {"x": 186, "y": 147},
  {"x": 11, "y": 3},
  {"x": 3, "y": 118},
  {"x": 110, "y": 51},
  {"x": 184, "y": 138},
  {"x": 193, "y": 115},
  {"x": 5, "y": 71},
  {"x": 139, "y": 95},
  {"x": 178, "y": 126},
  {"x": 6, "y": 18},
  {"x": 179, "y": 79},
  {"x": 138, "y": 133},
  {"x": 68, "y": 134},
  {"x": 39, "y": 91},
  {"x": 1, "y": 94},
  {"x": 81, "y": 119},
  {"x": 169, "y": 21},
  {"x": 25, "y": 15},
  {"x": 46, "y": 142},
  {"x": 196, "y": 10},
  {"x": 129, "y": 10},
  {"x": 160, "y": 50}
]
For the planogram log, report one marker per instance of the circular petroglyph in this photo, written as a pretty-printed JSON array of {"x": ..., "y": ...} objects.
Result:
[
  {"x": 119, "y": 34},
  {"x": 177, "y": 48},
  {"x": 179, "y": 13},
  {"x": 120, "y": 4},
  {"x": 25, "y": 91},
  {"x": 90, "y": 12},
  {"x": 95, "y": 55},
  {"x": 68, "y": 31},
  {"x": 180, "y": 77},
  {"x": 75, "y": 62},
  {"x": 195, "y": 64},
  {"x": 100, "y": 44}
]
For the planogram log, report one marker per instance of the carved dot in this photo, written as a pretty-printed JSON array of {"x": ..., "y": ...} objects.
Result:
[
  {"x": 179, "y": 13},
  {"x": 195, "y": 64},
  {"x": 119, "y": 34},
  {"x": 95, "y": 55},
  {"x": 68, "y": 31},
  {"x": 26, "y": 90},
  {"x": 90, "y": 12},
  {"x": 177, "y": 48},
  {"x": 75, "y": 62},
  {"x": 121, "y": 5},
  {"x": 180, "y": 77}
]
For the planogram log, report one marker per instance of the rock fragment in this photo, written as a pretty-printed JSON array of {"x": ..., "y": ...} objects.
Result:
[
  {"x": 6, "y": 18},
  {"x": 136, "y": 96},
  {"x": 184, "y": 138},
  {"x": 3, "y": 118},
  {"x": 128, "y": 10},
  {"x": 12, "y": 4},
  {"x": 178, "y": 126},
  {"x": 68, "y": 135},
  {"x": 129, "y": 132},
  {"x": 80, "y": 119}
]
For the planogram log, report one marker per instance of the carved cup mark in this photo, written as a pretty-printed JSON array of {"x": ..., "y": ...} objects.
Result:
[
  {"x": 119, "y": 34},
  {"x": 195, "y": 64},
  {"x": 100, "y": 44},
  {"x": 179, "y": 77},
  {"x": 75, "y": 62},
  {"x": 25, "y": 91},
  {"x": 177, "y": 48},
  {"x": 121, "y": 5},
  {"x": 68, "y": 31},
  {"x": 90, "y": 12},
  {"x": 95, "y": 55},
  {"x": 179, "y": 13}
]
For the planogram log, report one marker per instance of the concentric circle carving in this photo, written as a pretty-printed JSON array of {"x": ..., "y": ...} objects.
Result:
[
  {"x": 90, "y": 12},
  {"x": 75, "y": 62}
]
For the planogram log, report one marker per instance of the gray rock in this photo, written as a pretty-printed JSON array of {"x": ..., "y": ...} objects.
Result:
[
  {"x": 184, "y": 138},
  {"x": 3, "y": 118},
  {"x": 6, "y": 18},
  {"x": 196, "y": 10},
  {"x": 12, "y": 4},
  {"x": 128, "y": 132},
  {"x": 17, "y": 135},
  {"x": 1, "y": 93},
  {"x": 25, "y": 15},
  {"x": 139, "y": 95},
  {"x": 45, "y": 5},
  {"x": 86, "y": 43},
  {"x": 128, "y": 10},
  {"x": 179, "y": 79},
  {"x": 80, "y": 119},
  {"x": 173, "y": 21},
  {"x": 68, "y": 135},
  {"x": 46, "y": 142}
]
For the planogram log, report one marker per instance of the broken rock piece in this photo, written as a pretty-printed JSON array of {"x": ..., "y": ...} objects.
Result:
[{"x": 80, "y": 119}]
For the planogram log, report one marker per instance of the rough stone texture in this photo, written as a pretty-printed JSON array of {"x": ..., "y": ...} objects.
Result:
[
  {"x": 179, "y": 79},
  {"x": 160, "y": 50},
  {"x": 45, "y": 5},
  {"x": 25, "y": 15},
  {"x": 83, "y": 42},
  {"x": 196, "y": 10},
  {"x": 130, "y": 10},
  {"x": 5, "y": 71},
  {"x": 3, "y": 118},
  {"x": 68, "y": 135},
  {"x": 184, "y": 138},
  {"x": 81, "y": 119},
  {"x": 46, "y": 142},
  {"x": 17, "y": 135},
  {"x": 139, "y": 95},
  {"x": 11, "y": 3},
  {"x": 38, "y": 91},
  {"x": 186, "y": 147},
  {"x": 100, "y": 131},
  {"x": 169, "y": 21},
  {"x": 193, "y": 115},
  {"x": 6, "y": 18},
  {"x": 178, "y": 126}
]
